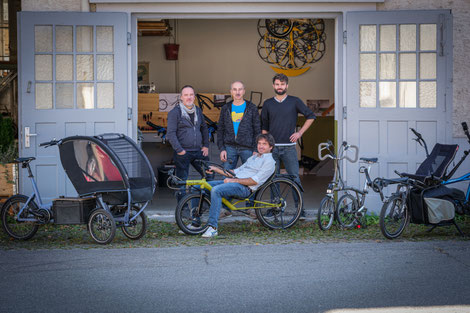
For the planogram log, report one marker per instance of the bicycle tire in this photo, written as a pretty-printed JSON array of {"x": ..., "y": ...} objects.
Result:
[
  {"x": 190, "y": 216},
  {"x": 138, "y": 227},
  {"x": 163, "y": 106},
  {"x": 346, "y": 211},
  {"x": 394, "y": 213},
  {"x": 326, "y": 213},
  {"x": 9, "y": 223},
  {"x": 101, "y": 226},
  {"x": 287, "y": 196},
  {"x": 279, "y": 28}
]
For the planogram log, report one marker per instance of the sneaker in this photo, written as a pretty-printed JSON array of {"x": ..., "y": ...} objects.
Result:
[
  {"x": 210, "y": 232},
  {"x": 303, "y": 216},
  {"x": 225, "y": 214}
]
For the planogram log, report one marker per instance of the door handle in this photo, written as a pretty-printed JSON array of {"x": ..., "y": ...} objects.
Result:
[{"x": 27, "y": 134}]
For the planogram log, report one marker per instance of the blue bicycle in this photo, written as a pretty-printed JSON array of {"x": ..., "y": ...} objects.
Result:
[{"x": 461, "y": 200}]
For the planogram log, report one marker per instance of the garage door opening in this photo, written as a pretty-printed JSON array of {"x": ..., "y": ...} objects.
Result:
[{"x": 212, "y": 53}]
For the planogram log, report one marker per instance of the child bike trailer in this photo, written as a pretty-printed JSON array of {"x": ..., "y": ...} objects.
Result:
[{"x": 115, "y": 171}]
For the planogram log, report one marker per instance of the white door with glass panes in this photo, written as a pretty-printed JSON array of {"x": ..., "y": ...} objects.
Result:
[
  {"x": 399, "y": 67},
  {"x": 72, "y": 81}
]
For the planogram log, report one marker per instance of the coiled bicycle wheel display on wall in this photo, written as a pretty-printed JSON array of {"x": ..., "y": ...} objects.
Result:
[{"x": 291, "y": 44}]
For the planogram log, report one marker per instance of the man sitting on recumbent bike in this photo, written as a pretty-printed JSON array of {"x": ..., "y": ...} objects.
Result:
[{"x": 248, "y": 178}]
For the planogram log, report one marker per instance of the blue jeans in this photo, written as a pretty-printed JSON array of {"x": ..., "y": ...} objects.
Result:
[
  {"x": 288, "y": 156},
  {"x": 224, "y": 190},
  {"x": 233, "y": 153},
  {"x": 182, "y": 163}
]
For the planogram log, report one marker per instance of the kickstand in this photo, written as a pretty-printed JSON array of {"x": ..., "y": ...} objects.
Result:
[
  {"x": 432, "y": 228},
  {"x": 458, "y": 228}
]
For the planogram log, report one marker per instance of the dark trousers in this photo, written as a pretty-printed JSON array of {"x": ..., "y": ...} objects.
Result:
[{"x": 182, "y": 163}]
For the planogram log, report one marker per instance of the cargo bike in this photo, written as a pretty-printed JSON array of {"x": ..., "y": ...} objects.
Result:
[
  {"x": 423, "y": 197},
  {"x": 114, "y": 181}
]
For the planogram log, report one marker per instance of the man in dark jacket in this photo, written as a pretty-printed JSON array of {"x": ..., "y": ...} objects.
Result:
[
  {"x": 238, "y": 126},
  {"x": 188, "y": 135}
]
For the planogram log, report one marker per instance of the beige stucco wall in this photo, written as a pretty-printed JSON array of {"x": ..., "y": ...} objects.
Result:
[
  {"x": 461, "y": 37},
  {"x": 213, "y": 53}
]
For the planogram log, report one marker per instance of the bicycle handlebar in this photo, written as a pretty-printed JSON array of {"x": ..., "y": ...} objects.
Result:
[
  {"x": 419, "y": 139},
  {"x": 465, "y": 130},
  {"x": 322, "y": 146},
  {"x": 53, "y": 142},
  {"x": 328, "y": 145},
  {"x": 356, "y": 152}
]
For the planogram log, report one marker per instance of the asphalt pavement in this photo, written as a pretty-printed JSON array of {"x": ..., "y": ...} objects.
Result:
[{"x": 330, "y": 277}]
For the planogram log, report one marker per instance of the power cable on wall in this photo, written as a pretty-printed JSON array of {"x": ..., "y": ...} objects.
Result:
[{"x": 177, "y": 61}]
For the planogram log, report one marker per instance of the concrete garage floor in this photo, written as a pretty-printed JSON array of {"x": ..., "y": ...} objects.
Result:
[{"x": 163, "y": 204}]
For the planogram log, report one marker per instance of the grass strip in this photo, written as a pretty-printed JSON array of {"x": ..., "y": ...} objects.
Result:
[{"x": 163, "y": 234}]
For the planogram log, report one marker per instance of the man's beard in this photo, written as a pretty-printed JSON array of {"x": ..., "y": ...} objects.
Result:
[{"x": 280, "y": 92}]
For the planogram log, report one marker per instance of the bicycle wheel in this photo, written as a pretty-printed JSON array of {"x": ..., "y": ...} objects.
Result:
[
  {"x": 279, "y": 27},
  {"x": 14, "y": 228},
  {"x": 326, "y": 213},
  {"x": 192, "y": 214},
  {"x": 101, "y": 226},
  {"x": 345, "y": 211},
  {"x": 288, "y": 201},
  {"x": 162, "y": 104},
  {"x": 394, "y": 217},
  {"x": 137, "y": 227}
]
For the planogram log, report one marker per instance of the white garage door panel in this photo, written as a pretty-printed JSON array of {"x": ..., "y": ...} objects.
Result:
[{"x": 396, "y": 77}]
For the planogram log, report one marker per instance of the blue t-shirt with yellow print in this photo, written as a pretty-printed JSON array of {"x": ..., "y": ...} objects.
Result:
[{"x": 237, "y": 115}]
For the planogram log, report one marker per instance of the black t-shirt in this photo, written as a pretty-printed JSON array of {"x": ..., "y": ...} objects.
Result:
[{"x": 280, "y": 118}]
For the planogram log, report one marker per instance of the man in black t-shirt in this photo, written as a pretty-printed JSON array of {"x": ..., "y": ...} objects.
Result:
[{"x": 279, "y": 118}]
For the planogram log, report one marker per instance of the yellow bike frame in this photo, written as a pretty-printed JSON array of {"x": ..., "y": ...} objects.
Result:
[{"x": 203, "y": 184}]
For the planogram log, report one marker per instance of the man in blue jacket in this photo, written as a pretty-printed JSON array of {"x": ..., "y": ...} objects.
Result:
[{"x": 188, "y": 135}]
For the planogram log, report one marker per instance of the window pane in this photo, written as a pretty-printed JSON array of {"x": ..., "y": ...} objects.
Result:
[
  {"x": 408, "y": 65},
  {"x": 388, "y": 66},
  {"x": 427, "y": 39},
  {"x": 427, "y": 66},
  {"x": 407, "y": 94},
  {"x": 43, "y": 67},
  {"x": 64, "y": 96},
  {"x": 368, "y": 94},
  {"x": 43, "y": 96},
  {"x": 104, "y": 39},
  {"x": 63, "y": 39},
  {"x": 388, "y": 94},
  {"x": 85, "y": 96},
  {"x": 63, "y": 67},
  {"x": 105, "y": 67},
  {"x": 408, "y": 37},
  {"x": 84, "y": 67},
  {"x": 43, "y": 38},
  {"x": 368, "y": 37},
  {"x": 105, "y": 95},
  {"x": 84, "y": 39},
  {"x": 368, "y": 65},
  {"x": 427, "y": 94},
  {"x": 388, "y": 37}
]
